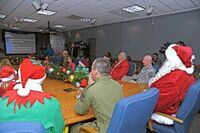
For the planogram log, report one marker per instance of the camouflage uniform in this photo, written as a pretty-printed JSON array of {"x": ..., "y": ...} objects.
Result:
[{"x": 143, "y": 77}]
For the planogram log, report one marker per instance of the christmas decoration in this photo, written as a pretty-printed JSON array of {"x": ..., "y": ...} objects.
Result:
[
  {"x": 80, "y": 73},
  {"x": 84, "y": 83},
  {"x": 50, "y": 70},
  {"x": 58, "y": 73},
  {"x": 67, "y": 74},
  {"x": 63, "y": 69},
  {"x": 55, "y": 72},
  {"x": 71, "y": 78},
  {"x": 77, "y": 84}
]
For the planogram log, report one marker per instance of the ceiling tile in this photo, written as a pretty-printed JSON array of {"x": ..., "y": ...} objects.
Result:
[
  {"x": 186, "y": 4},
  {"x": 106, "y": 11},
  {"x": 172, "y": 4},
  {"x": 196, "y": 2},
  {"x": 2, "y": 3},
  {"x": 10, "y": 5}
]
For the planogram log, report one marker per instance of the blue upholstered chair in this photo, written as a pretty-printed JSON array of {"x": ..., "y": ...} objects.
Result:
[
  {"x": 186, "y": 113},
  {"x": 131, "y": 114},
  {"x": 132, "y": 69},
  {"x": 21, "y": 127}
]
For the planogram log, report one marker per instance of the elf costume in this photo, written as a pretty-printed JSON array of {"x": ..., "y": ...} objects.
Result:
[{"x": 27, "y": 101}]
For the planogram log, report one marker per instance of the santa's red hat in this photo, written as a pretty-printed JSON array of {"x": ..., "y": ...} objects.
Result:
[
  {"x": 7, "y": 73},
  {"x": 31, "y": 75},
  {"x": 182, "y": 56}
]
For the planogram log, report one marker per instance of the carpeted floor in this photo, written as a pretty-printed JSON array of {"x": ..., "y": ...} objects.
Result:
[{"x": 195, "y": 127}]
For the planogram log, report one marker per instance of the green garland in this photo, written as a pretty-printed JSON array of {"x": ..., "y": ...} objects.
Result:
[
  {"x": 80, "y": 73},
  {"x": 62, "y": 73}
]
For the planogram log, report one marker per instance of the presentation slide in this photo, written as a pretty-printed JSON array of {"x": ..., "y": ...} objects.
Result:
[{"x": 19, "y": 42}]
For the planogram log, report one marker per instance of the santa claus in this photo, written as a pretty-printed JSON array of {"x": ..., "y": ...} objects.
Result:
[{"x": 173, "y": 80}]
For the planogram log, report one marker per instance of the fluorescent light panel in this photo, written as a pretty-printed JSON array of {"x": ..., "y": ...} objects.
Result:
[
  {"x": 29, "y": 20},
  {"x": 134, "y": 8},
  {"x": 88, "y": 19},
  {"x": 2, "y": 16},
  {"x": 15, "y": 28},
  {"x": 59, "y": 26},
  {"x": 46, "y": 12}
]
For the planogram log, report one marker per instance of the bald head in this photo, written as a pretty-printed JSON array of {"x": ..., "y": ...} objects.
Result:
[{"x": 147, "y": 60}]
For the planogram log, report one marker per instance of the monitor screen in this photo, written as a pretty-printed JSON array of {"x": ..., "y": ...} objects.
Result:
[{"x": 17, "y": 42}]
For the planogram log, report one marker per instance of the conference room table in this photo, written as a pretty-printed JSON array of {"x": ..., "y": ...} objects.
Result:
[{"x": 67, "y": 98}]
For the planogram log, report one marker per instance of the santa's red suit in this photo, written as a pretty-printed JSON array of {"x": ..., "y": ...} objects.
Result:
[
  {"x": 120, "y": 70},
  {"x": 174, "y": 78},
  {"x": 173, "y": 87}
]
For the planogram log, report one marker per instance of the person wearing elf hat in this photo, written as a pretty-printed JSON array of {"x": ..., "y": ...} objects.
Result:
[
  {"x": 28, "y": 102},
  {"x": 173, "y": 80},
  {"x": 97, "y": 95},
  {"x": 7, "y": 77}
]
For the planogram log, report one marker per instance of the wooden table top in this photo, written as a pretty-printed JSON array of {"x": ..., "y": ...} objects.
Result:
[{"x": 68, "y": 99}]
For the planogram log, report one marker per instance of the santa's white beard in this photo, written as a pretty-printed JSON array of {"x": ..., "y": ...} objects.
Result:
[{"x": 166, "y": 68}]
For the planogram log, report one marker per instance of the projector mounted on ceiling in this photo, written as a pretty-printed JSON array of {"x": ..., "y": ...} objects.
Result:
[
  {"x": 149, "y": 10},
  {"x": 47, "y": 29}
]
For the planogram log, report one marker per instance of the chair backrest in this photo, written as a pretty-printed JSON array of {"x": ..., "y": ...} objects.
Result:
[
  {"x": 21, "y": 127},
  {"x": 132, "y": 69},
  {"x": 189, "y": 108},
  {"x": 132, "y": 113}
]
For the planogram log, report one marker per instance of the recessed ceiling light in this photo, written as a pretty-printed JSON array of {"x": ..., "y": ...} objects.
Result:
[
  {"x": 59, "y": 26},
  {"x": 134, "y": 8},
  {"x": 2, "y": 16},
  {"x": 29, "y": 20},
  {"x": 46, "y": 12}
]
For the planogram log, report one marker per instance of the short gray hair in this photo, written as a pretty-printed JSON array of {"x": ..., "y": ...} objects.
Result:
[
  {"x": 102, "y": 65},
  {"x": 124, "y": 55}
]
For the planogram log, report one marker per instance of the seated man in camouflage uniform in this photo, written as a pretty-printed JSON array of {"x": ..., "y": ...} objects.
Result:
[{"x": 145, "y": 74}]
